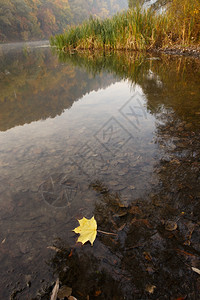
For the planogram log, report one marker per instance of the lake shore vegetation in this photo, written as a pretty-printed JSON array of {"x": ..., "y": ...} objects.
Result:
[{"x": 137, "y": 29}]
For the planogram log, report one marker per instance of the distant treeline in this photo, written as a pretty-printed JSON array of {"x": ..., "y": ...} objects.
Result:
[{"x": 38, "y": 19}]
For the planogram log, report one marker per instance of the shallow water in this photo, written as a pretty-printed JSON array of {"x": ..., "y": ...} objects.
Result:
[{"x": 113, "y": 136}]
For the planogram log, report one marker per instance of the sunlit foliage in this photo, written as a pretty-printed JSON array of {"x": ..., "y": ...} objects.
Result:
[{"x": 36, "y": 19}]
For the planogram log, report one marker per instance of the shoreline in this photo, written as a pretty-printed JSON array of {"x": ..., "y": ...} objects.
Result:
[
  {"x": 191, "y": 51},
  {"x": 187, "y": 51}
]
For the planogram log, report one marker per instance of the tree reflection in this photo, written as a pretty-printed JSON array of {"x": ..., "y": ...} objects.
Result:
[
  {"x": 168, "y": 82},
  {"x": 35, "y": 86},
  {"x": 157, "y": 237}
]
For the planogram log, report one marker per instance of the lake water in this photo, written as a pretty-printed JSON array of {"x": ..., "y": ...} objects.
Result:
[{"x": 114, "y": 136}]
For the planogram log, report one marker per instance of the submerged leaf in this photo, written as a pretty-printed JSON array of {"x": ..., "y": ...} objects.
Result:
[
  {"x": 87, "y": 230},
  {"x": 64, "y": 291},
  {"x": 196, "y": 270},
  {"x": 55, "y": 290},
  {"x": 171, "y": 225},
  {"x": 150, "y": 288}
]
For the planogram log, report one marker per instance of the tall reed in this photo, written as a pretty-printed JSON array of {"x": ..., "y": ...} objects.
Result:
[
  {"x": 184, "y": 21},
  {"x": 136, "y": 29}
]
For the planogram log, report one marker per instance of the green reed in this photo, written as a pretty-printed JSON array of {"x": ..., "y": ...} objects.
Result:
[
  {"x": 135, "y": 29},
  {"x": 132, "y": 30}
]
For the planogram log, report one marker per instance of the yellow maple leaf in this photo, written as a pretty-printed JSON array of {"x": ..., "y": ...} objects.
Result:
[{"x": 87, "y": 230}]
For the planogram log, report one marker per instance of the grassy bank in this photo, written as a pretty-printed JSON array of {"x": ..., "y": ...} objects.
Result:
[{"x": 137, "y": 29}]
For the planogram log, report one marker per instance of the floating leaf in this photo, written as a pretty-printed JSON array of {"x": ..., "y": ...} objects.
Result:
[{"x": 87, "y": 230}]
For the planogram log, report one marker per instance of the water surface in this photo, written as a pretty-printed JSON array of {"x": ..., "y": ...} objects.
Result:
[{"x": 114, "y": 136}]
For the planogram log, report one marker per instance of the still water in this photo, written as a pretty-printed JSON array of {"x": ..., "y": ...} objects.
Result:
[{"x": 115, "y": 136}]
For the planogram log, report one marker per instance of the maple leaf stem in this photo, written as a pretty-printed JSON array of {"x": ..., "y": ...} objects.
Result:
[{"x": 110, "y": 233}]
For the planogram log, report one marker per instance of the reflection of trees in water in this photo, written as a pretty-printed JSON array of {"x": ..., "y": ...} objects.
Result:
[
  {"x": 167, "y": 81},
  {"x": 173, "y": 84},
  {"x": 125, "y": 66},
  {"x": 35, "y": 86},
  {"x": 157, "y": 239}
]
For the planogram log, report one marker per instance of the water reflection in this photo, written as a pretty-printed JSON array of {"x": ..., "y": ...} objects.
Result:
[
  {"x": 127, "y": 151},
  {"x": 33, "y": 86},
  {"x": 165, "y": 80}
]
